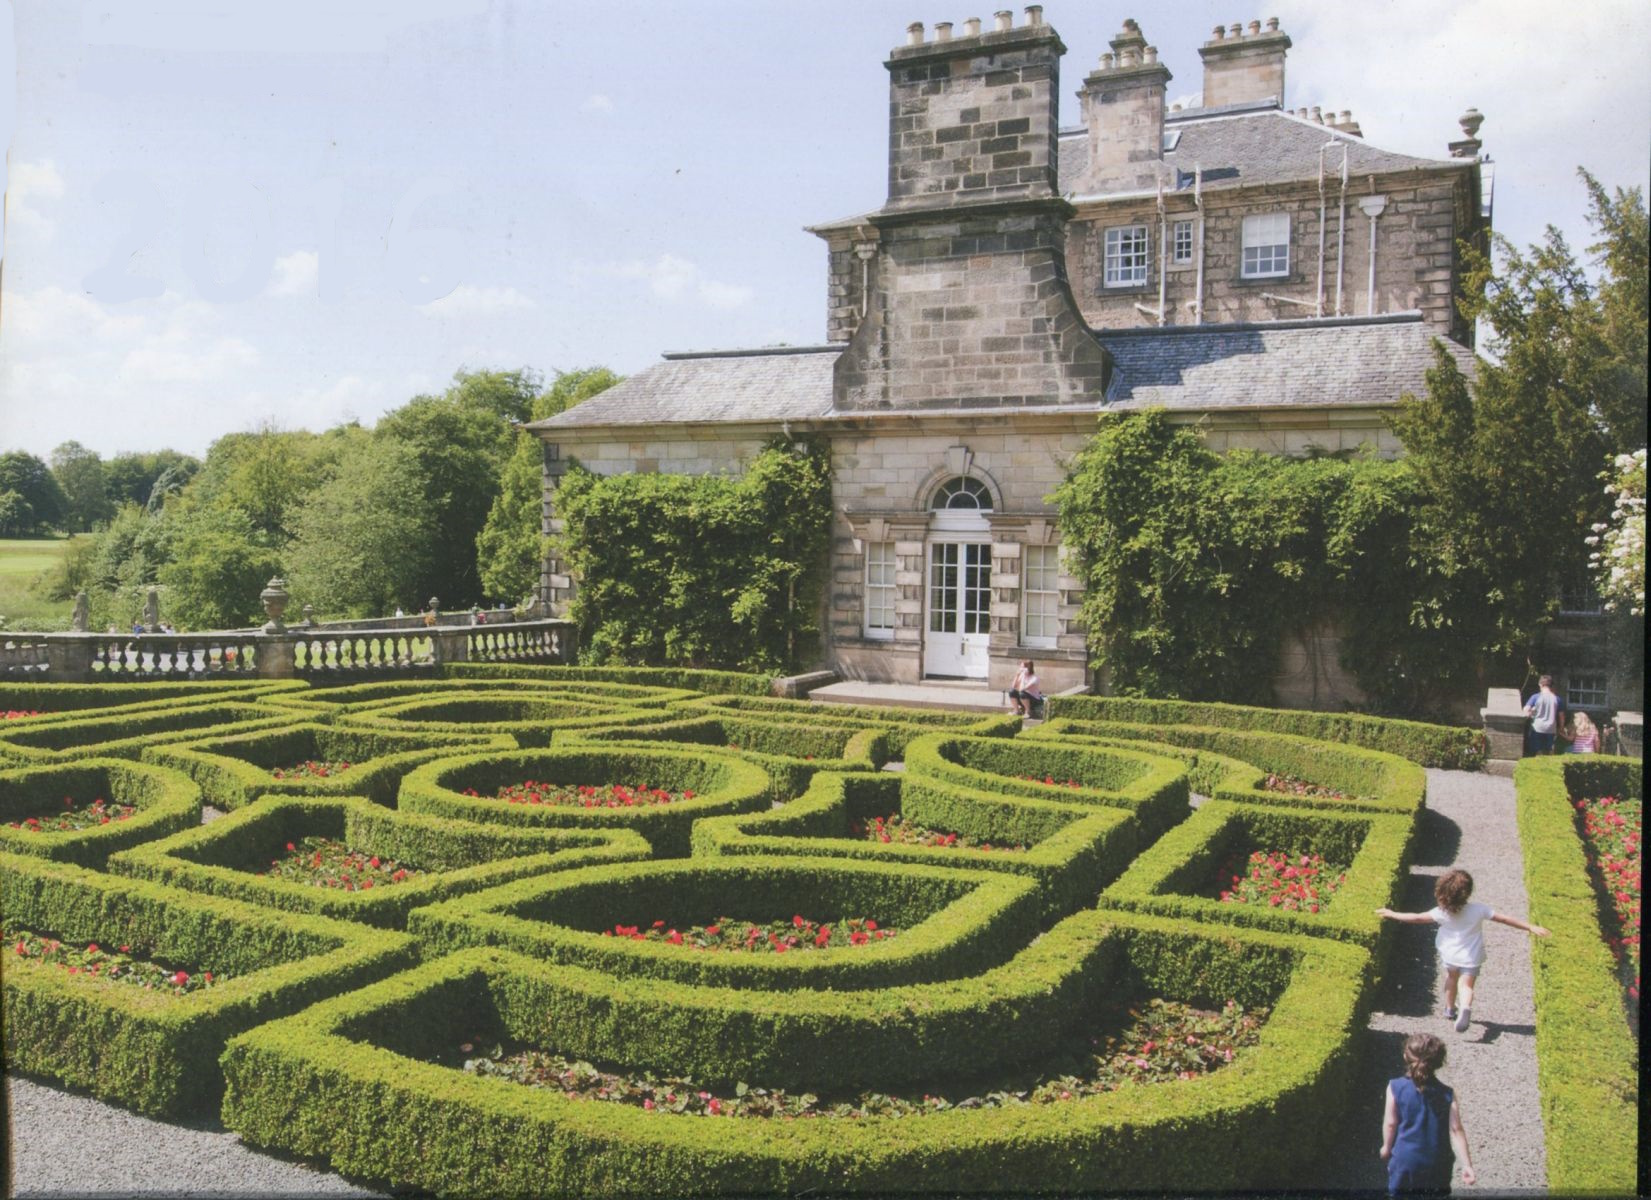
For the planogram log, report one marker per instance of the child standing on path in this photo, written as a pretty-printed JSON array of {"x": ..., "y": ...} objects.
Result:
[
  {"x": 1422, "y": 1132},
  {"x": 1461, "y": 938}
]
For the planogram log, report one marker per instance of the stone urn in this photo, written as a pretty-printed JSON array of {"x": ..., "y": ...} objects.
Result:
[{"x": 275, "y": 600}]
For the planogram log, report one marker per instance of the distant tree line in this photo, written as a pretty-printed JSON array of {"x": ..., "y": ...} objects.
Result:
[{"x": 441, "y": 498}]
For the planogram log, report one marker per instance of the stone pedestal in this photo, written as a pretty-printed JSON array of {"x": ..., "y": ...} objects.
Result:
[
  {"x": 277, "y": 657},
  {"x": 1504, "y": 718},
  {"x": 69, "y": 660},
  {"x": 1631, "y": 734},
  {"x": 450, "y": 645}
]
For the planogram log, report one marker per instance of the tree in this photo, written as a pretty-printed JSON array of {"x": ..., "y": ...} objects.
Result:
[
  {"x": 219, "y": 564},
  {"x": 79, "y": 472},
  {"x": 1620, "y": 560},
  {"x": 510, "y": 549},
  {"x": 37, "y": 504},
  {"x": 1508, "y": 462},
  {"x": 362, "y": 541},
  {"x": 132, "y": 478},
  {"x": 509, "y": 395},
  {"x": 264, "y": 472}
]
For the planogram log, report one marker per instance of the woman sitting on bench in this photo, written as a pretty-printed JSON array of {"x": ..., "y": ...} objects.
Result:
[{"x": 1024, "y": 694}]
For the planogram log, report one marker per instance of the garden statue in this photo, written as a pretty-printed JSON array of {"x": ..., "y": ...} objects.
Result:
[
  {"x": 151, "y": 611},
  {"x": 80, "y": 621}
]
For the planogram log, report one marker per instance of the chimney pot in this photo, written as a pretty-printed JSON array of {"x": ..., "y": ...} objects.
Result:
[
  {"x": 1005, "y": 20},
  {"x": 914, "y": 34},
  {"x": 1106, "y": 61},
  {"x": 1346, "y": 117},
  {"x": 1034, "y": 15},
  {"x": 1236, "y": 30},
  {"x": 942, "y": 31},
  {"x": 971, "y": 27},
  {"x": 1318, "y": 116},
  {"x": 1255, "y": 28},
  {"x": 1272, "y": 24},
  {"x": 1219, "y": 34},
  {"x": 1151, "y": 54}
]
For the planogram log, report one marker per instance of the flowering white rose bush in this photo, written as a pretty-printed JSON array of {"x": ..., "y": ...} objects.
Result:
[{"x": 1619, "y": 557}]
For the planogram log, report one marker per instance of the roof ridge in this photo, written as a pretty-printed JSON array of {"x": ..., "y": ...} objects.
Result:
[
  {"x": 758, "y": 352},
  {"x": 1406, "y": 317}
]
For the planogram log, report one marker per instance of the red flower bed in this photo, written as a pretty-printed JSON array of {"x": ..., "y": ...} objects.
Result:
[
  {"x": 311, "y": 770},
  {"x": 1050, "y": 781},
  {"x": 1156, "y": 1042},
  {"x": 893, "y": 830},
  {"x": 1611, "y": 835},
  {"x": 772, "y": 937},
  {"x": 12, "y": 714},
  {"x": 1274, "y": 879},
  {"x": 77, "y": 816},
  {"x": 124, "y": 965},
  {"x": 324, "y": 862},
  {"x": 1290, "y": 785},
  {"x": 584, "y": 795}
]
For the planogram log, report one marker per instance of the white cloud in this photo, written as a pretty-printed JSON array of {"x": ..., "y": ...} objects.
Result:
[
  {"x": 672, "y": 277},
  {"x": 467, "y": 300},
  {"x": 596, "y": 102},
  {"x": 295, "y": 274},
  {"x": 54, "y": 315},
  {"x": 183, "y": 359},
  {"x": 27, "y": 184}
]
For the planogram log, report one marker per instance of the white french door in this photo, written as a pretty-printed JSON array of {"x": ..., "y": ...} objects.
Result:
[{"x": 960, "y": 604}]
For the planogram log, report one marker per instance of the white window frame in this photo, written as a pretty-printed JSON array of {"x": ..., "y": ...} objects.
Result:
[
  {"x": 1125, "y": 266},
  {"x": 1579, "y": 696},
  {"x": 879, "y": 590},
  {"x": 1265, "y": 246},
  {"x": 1039, "y": 596},
  {"x": 1182, "y": 243}
]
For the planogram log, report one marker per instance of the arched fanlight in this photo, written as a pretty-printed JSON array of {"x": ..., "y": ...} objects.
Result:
[{"x": 962, "y": 493}]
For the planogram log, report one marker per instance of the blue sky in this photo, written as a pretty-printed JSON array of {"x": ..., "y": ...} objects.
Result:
[{"x": 223, "y": 214}]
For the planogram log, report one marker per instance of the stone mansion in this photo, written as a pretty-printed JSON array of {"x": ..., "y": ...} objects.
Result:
[{"x": 1262, "y": 271}]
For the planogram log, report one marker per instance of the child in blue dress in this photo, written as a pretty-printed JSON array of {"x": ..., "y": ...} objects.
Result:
[{"x": 1422, "y": 1133}]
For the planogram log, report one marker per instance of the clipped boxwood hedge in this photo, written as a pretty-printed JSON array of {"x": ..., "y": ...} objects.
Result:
[
  {"x": 1587, "y": 1057},
  {"x": 389, "y": 691},
  {"x": 531, "y": 718},
  {"x": 1153, "y": 788},
  {"x": 903, "y": 724},
  {"x": 324, "y": 1084},
  {"x": 687, "y": 678},
  {"x": 1373, "y": 781},
  {"x": 951, "y": 922},
  {"x": 235, "y": 771},
  {"x": 55, "y": 700},
  {"x": 1071, "y": 850},
  {"x": 129, "y": 734},
  {"x": 153, "y": 1052},
  {"x": 227, "y": 857},
  {"x": 166, "y": 800},
  {"x": 1374, "y": 851},
  {"x": 721, "y": 783},
  {"x": 1451, "y": 746}
]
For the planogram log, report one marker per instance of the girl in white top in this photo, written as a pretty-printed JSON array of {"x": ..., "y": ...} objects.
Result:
[
  {"x": 1024, "y": 692},
  {"x": 1461, "y": 938}
]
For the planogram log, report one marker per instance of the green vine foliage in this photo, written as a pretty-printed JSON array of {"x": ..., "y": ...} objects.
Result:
[
  {"x": 1197, "y": 565},
  {"x": 704, "y": 570}
]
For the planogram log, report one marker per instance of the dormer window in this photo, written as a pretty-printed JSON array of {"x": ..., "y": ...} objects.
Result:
[
  {"x": 1126, "y": 256},
  {"x": 1266, "y": 246}
]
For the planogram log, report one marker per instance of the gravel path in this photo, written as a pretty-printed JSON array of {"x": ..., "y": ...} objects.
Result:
[
  {"x": 1469, "y": 822},
  {"x": 63, "y": 1144}
]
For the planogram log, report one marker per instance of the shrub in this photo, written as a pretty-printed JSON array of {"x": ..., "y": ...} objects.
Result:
[
  {"x": 235, "y": 771},
  {"x": 129, "y": 734},
  {"x": 155, "y": 1053},
  {"x": 166, "y": 802},
  {"x": 1587, "y": 1057},
  {"x": 225, "y": 857},
  {"x": 952, "y": 922},
  {"x": 686, "y": 678},
  {"x": 532, "y": 719},
  {"x": 303, "y": 1085},
  {"x": 1428, "y": 745},
  {"x": 53, "y": 700},
  {"x": 903, "y": 724},
  {"x": 721, "y": 783}
]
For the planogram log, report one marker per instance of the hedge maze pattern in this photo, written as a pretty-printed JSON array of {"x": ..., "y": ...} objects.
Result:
[{"x": 533, "y": 810}]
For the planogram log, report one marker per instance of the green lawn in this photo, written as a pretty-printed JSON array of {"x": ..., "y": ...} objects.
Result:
[{"x": 21, "y": 562}]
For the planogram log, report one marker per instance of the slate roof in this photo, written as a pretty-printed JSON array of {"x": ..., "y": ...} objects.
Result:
[
  {"x": 787, "y": 384},
  {"x": 1243, "y": 147},
  {"x": 1331, "y": 363}
]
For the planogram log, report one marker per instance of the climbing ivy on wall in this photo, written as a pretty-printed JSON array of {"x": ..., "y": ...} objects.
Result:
[
  {"x": 1197, "y": 565},
  {"x": 703, "y": 570}
]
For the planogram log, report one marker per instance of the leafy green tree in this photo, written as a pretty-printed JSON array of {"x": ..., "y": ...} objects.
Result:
[
  {"x": 132, "y": 478},
  {"x": 264, "y": 473},
  {"x": 361, "y": 541},
  {"x": 79, "y": 472},
  {"x": 39, "y": 505},
  {"x": 509, "y": 395},
  {"x": 510, "y": 548},
  {"x": 219, "y": 563}
]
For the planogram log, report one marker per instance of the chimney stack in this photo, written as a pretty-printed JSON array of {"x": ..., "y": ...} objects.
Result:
[
  {"x": 1123, "y": 110},
  {"x": 1241, "y": 68}
]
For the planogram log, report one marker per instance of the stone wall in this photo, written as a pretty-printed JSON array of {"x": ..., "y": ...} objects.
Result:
[{"x": 1416, "y": 259}]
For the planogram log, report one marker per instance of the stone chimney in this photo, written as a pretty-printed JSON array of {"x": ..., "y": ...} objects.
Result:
[
  {"x": 966, "y": 301},
  {"x": 1243, "y": 66},
  {"x": 973, "y": 117},
  {"x": 1123, "y": 111}
]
